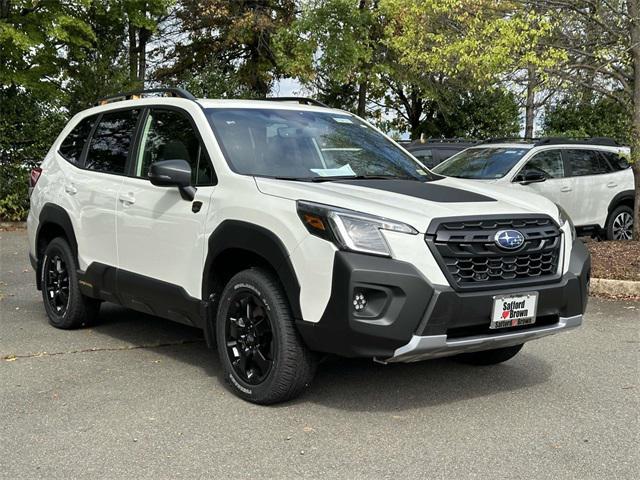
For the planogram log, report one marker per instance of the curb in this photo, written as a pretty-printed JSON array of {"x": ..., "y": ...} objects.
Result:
[
  {"x": 13, "y": 225},
  {"x": 605, "y": 286}
]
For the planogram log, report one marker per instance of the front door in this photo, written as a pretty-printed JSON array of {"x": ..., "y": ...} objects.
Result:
[
  {"x": 555, "y": 187},
  {"x": 160, "y": 235}
]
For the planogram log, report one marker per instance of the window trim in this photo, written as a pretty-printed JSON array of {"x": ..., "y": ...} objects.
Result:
[
  {"x": 534, "y": 155},
  {"x": 138, "y": 142}
]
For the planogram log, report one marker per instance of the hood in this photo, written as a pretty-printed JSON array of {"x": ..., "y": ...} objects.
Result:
[{"x": 412, "y": 202}]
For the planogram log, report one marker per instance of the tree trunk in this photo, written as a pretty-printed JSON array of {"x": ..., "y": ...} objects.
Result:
[
  {"x": 362, "y": 98},
  {"x": 133, "y": 54},
  {"x": 143, "y": 37},
  {"x": 634, "y": 11},
  {"x": 530, "y": 107}
]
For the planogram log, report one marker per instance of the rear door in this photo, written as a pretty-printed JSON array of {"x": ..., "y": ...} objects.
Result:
[
  {"x": 161, "y": 235},
  {"x": 591, "y": 180},
  {"x": 91, "y": 184}
]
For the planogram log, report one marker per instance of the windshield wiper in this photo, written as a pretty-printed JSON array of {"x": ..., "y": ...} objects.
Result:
[{"x": 347, "y": 177}]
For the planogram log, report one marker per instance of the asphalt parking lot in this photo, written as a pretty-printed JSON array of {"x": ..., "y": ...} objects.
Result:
[{"x": 140, "y": 397}]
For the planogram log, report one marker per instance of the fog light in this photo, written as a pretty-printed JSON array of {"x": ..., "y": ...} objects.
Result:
[{"x": 359, "y": 302}]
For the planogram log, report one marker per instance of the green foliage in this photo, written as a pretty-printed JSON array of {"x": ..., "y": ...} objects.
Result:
[
  {"x": 333, "y": 47},
  {"x": 35, "y": 36},
  {"x": 227, "y": 44},
  {"x": 478, "y": 39},
  {"x": 27, "y": 129},
  {"x": 456, "y": 112},
  {"x": 602, "y": 117}
]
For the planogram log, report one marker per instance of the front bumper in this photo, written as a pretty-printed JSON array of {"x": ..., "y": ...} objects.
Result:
[
  {"x": 408, "y": 319},
  {"x": 434, "y": 346}
]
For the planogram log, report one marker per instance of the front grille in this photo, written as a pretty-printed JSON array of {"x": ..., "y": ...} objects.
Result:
[{"x": 470, "y": 258}]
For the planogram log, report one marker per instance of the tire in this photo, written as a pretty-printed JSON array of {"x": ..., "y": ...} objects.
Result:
[
  {"x": 263, "y": 357},
  {"x": 66, "y": 307},
  {"x": 620, "y": 224},
  {"x": 490, "y": 357}
]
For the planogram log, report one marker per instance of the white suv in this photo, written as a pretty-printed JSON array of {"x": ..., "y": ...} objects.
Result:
[
  {"x": 288, "y": 229},
  {"x": 590, "y": 179}
]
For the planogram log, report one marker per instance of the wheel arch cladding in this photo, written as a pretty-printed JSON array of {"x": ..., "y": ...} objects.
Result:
[
  {"x": 53, "y": 222},
  {"x": 236, "y": 245},
  {"x": 623, "y": 198}
]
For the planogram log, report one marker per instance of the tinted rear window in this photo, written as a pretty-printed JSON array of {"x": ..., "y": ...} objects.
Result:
[
  {"x": 109, "y": 147},
  {"x": 72, "y": 146},
  {"x": 616, "y": 160},
  {"x": 586, "y": 162}
]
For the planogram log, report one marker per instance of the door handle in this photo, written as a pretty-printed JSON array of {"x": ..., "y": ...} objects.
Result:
[
  {"x": 70, "y": 189},
  {"x": 612, "y": 184},
  {"x": 565, "y": 189},
  {"x": 127, "y": 199}
]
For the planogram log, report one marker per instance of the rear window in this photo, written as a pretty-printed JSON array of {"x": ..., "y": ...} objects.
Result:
[
  {"x": 72, "y": 146},
  {"x": 617, "y": 161},
  {"x": 109, "y": 147}
]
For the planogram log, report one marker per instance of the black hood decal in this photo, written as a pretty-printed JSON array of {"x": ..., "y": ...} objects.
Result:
[{"x": 426, "y": 191}]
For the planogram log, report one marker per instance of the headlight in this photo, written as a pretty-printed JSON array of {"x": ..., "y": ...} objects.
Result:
[
  {"x": 349, "y": 230},
  {"x": 564, "y": 218}
]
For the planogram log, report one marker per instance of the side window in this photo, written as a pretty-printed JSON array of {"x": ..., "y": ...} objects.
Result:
[
  {"x": 548, "y": 162},
  {"x": 111, "y": 140},
  {"x": 169, "y": 135},
  {"x": 616, "y": 160},
  {"x": 426, "y": 157},
  {"x": 586, "y": 162},
  {"x": 72, "y": 146}
]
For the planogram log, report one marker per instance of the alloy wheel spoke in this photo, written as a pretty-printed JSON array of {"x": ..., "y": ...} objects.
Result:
[
  {"x": 248, "y": 338},
  {"x": 260, "y": 361}
]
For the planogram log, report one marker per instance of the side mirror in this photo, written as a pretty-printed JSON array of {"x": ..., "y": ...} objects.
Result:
[
  {"x": 173, "y": 173},
  {"x": 531, "y": 176}
]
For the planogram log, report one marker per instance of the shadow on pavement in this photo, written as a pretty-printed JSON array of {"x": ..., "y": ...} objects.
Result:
[{"x": 345, "y": 384}]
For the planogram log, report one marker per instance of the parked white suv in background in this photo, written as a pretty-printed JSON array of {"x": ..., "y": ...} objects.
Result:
[
  {"x": 590, "y": 179},
  {"x": 284, "y": 229}
]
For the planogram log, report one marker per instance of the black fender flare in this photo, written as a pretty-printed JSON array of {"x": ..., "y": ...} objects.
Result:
[
  {"x": 621, "y": 197},
  {"x": 52, "y": 214},
  {"x": 236, "y": 234},
  {"x": 55, "y": 214}
]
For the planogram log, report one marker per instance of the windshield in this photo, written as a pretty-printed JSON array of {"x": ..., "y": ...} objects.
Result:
[
  {"x": 481, "y": 163},
  {"x": 307, "y": 145}
]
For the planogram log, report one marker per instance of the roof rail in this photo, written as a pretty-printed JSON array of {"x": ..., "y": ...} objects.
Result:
[
  {"x": 509, "y": 140},
  {"x": 604, "y": 141},
  {"x": 168, "y": 92},
  {"x": 449, "y": 140},
  {"x": 300, "y": 100}
]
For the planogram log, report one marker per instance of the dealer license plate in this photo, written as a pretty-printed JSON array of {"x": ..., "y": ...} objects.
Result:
[{"x": 514, "y": 310}]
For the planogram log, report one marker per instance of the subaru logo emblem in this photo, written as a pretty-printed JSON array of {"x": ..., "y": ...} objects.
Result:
[{"x": 509, "y": 239}]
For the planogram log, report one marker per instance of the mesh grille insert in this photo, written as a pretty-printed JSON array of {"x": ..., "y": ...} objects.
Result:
[{"x": 468, "y": 254}]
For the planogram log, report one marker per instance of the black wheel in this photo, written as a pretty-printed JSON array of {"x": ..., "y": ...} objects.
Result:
[
  {"x": 65, "y": 305},
  {"x": 262, "y": 354},
  {"x": 490, "y": 357},
  {"x": 620, "y": 224}
]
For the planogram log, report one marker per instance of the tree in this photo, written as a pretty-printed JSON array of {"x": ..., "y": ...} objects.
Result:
[
  {"x": 573, "y": 116},
  {"x": 333, "y": 47},
  {"x": 142, "y": 19},
  {"x": 230, "y": 41},
  {"x": 481, "y": 42},
  {"x": 606, "y": 62}
]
